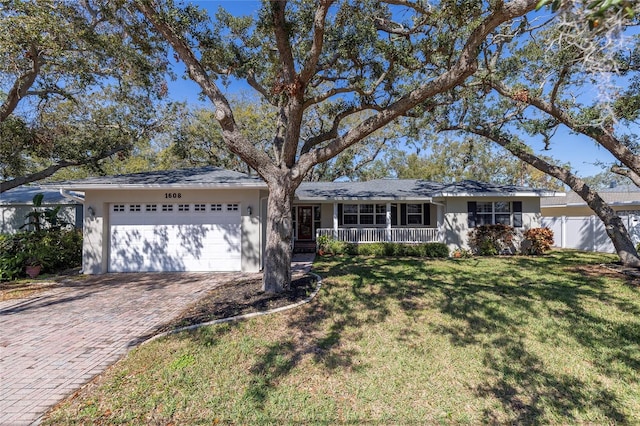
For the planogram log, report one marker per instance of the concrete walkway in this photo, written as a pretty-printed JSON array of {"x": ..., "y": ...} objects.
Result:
[{"x": 54, "y": 342}]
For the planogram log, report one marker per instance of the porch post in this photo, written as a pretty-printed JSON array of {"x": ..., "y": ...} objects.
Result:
[
  {"x": 388, "y": 221},
  {"x": 335, "y": 220},
  {"x": 440, "y": 222}
]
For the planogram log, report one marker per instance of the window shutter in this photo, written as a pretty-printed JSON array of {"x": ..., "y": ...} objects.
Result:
[
  {"x": 403, "y": 214},
  {"x": 517, "y": 214},
  {"x": 471, "y": 209},
  {"x": 339, "y": 214},
  {"x": 394, "y": 215},
  {"x": 426, "y": 214}
]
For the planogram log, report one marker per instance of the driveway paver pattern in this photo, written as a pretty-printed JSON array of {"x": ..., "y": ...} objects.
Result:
[{"x": 54, "y": 342}]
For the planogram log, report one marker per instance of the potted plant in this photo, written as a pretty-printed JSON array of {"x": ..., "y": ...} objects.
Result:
[
  {"x": 35, "y": 256},
  {"x": 33, "y": 267}
]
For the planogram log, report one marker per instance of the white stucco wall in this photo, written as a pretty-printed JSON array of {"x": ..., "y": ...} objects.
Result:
[
  {"x": 96, "y": 228},
  {"x": 12, "y": 217},
  {"x": 455, "y": 227}
]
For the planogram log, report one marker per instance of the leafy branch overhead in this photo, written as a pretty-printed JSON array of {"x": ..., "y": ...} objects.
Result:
[{"x": 79, "y": 81}]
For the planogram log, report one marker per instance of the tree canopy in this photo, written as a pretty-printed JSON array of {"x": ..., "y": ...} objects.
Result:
[
  {"x": 79, "y": 81},
  {"x": 325, "y": 61}
]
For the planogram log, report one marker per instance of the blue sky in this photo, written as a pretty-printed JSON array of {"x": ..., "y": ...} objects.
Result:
[{"x": 581, "y": 152}]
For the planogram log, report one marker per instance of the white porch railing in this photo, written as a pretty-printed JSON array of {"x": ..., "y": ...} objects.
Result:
[{"x": 379, "y": 235}]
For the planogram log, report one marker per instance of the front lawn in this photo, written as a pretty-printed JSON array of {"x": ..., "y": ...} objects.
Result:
[{"x": 522, "y": 340}]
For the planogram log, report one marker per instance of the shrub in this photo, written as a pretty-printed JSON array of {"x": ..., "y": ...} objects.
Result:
[
  {"x": 322, "y": 244},
  {"x": 461, "y": 254},
  {"x": 537, "y": 240},
  {"x": 372, "y": 249},
  {"x": 54, "y": 249},
  {"x": 329, "y": 245},
  {"x": 434, "y": 250},
  {"x": 490, "y": 240}
]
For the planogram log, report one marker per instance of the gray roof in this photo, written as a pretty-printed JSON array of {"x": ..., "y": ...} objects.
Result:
[
  {"x": 620, "y": 195},
  {"x": 198, "y": 177},
  {"x": 398, "y": 189},
  {"x": 391, "y": 189},
  {"x": 25, "y": 194}
]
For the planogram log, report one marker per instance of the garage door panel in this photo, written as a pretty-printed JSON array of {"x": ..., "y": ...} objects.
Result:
[{"x": 161, "y": 241}]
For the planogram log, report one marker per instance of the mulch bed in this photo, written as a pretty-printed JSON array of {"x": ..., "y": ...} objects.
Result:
[{"x": 240, "y": 298}]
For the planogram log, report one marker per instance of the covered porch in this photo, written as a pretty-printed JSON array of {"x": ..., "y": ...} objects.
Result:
[{"x": 368, "y": 221}]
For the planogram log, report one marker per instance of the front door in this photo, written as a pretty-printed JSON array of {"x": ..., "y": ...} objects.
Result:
[{"x": 305, "y": 223}]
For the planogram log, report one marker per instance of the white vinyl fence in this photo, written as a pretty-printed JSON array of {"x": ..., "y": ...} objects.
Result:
[{"x": 587, "y": 232}]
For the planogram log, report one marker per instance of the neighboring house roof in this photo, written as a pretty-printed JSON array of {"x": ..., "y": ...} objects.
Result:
[
  {"x": 414, "y": 189},
  {"x": 23, "y": 195},
  {"x": 617, "y": 196},
  {"x": 203, "y": 177}
]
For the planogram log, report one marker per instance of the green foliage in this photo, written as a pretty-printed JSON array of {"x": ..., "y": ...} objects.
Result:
[
  {"x": 40, "y": 218},
  {"x": 329, "y": 245},
  {"x": 537, "y": 241},
  {"x": 435, "y": 250},
  {"x": 461, "y": 254},
  {"x": 53, "y": 249},
  {"x": 491, "y": 240},
  {"x": 469, "y": 158},
  {"x": 90, "y": 77}
]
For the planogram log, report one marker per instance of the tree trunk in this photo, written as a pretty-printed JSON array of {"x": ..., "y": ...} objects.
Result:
[
  {"x": 277, "y": 256},
  {"x": 614, "y": 227}
]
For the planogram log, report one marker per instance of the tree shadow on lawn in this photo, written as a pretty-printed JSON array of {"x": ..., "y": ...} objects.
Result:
[
  {"x": 481, "y": 307},
  {"x": 492, "y": 309},
  {"x": 488, "y": 312}
]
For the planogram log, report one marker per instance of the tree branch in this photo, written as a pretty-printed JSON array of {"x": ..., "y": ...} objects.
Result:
[
  {"x": 602, "y": 136},
  {"x": 49, "y": 171},
  {"x": 21, "y": 85},
  {"x": 311, "y": 64},
  {"x": 465, "y": 66},
  {"x": 622, "y": 171},
  {"x": 232, "y": 136}
]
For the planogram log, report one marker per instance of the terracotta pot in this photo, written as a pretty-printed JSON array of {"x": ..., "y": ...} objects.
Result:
[{"x": 33, "y": 271}]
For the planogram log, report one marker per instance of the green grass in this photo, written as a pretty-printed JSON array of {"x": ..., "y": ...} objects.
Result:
[{"x": 484, "y": 340}]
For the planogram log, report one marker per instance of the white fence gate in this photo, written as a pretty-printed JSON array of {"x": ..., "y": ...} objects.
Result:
[{"x": 587, "y": 232}]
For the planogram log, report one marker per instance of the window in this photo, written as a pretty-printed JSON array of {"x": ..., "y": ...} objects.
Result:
[
  {"x": 216, "y": 207},
  {"x": 381, "y": 214},
  {"x": 350, "y": 214},
  {"x": 200, "y": 207},
  {"x": 363, "y": 214},
  {"x": 151, "y": 208},
  {"x": 167, "y": 207},
  {"x": 495, "y": 212},
  {"x": 118, "y": 207},
  {"x": 134, "y": 208},
  {"x": 232, "y": 207},
  {"x": 183, "y": 207},
  {"x": 366, "y": 214},
  {"x": 414, "y": 214}
]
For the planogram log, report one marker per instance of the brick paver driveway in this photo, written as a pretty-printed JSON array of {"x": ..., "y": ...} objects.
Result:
[{"x": 54, "y": 342}]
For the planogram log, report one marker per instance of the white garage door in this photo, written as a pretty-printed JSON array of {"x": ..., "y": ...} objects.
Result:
[{"x": 174, "y": 237}]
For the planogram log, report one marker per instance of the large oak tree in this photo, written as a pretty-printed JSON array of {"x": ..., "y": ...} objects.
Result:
[{"x": 335, "y": 59}]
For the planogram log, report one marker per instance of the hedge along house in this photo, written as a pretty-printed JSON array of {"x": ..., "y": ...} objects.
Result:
[{"x": 211, "y": 219}]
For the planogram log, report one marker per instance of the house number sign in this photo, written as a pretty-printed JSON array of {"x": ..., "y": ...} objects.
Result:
[{"x": 172, "y": 195}]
